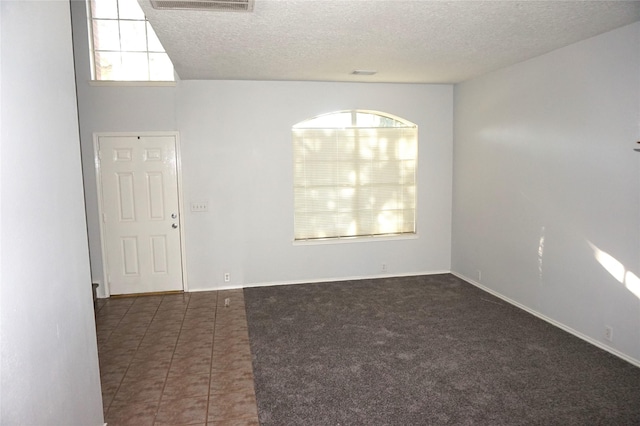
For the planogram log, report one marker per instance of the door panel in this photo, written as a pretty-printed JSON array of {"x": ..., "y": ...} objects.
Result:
[
  {"x": 139, "y": 189},
  {"x": 126, "y": 194}
]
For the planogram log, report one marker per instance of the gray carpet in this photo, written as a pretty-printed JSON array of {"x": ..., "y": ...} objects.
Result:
[{"x": 428, "y": 350}]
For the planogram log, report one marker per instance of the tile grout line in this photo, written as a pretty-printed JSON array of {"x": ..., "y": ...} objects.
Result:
[
  {"x": 128, "y": 364},
  {"x": 239, "y": 315},
  {"x": 173, "y": 353},
  {"x": 221, "y": 317},
  {"x": 137, "y": 348},
  {"x": 213, "y": 343}
]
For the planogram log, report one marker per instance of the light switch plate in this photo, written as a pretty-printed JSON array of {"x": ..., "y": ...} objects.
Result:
[{"x": 199, "y": 206}]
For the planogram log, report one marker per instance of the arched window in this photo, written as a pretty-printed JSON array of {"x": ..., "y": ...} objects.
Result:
[{"x": 354, "y": 175}]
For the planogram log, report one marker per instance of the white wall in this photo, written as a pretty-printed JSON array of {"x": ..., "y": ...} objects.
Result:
[
  {"x": 237, "y": 154},
  {"x": 546, "y": 183},
  {"x": 49, "y": 354},
  {"x": 105, "y": 109}
]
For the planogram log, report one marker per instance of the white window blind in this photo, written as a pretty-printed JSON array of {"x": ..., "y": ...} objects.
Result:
[{"x": 354, "y": 180}]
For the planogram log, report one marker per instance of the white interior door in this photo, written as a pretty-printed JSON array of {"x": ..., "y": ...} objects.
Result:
[{"x": 140, "y": 213}]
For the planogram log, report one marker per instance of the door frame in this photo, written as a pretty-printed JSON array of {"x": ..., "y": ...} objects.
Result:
[{"x": 96, "y": 156}]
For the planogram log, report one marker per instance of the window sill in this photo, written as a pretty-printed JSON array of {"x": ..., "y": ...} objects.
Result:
[
  {"x": 348, "y": 240},
  {"x": 119, "y": 83}
]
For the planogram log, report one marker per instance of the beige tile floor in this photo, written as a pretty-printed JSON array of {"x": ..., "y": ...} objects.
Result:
[{"x": 180, "y": 359}]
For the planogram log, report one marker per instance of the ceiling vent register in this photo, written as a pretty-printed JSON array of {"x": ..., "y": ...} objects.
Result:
[{"x": 212, "y": 5}]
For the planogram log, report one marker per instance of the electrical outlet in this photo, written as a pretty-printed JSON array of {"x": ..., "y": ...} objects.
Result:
[
  {"x": 199, "y": 206},
  {"x": 227, "y": 277},
  {"x": 479, "y": 276},
  {"x": 608, "y": 333},
  {"x": 384, "y": 267}
]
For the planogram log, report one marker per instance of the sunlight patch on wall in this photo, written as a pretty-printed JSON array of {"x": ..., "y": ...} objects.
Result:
[
  {"x": 617, "y": 270},
  {"x": 540, "y": 254}
]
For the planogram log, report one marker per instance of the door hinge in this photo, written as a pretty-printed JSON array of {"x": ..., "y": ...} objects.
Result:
[{"x": 104, "y": 217}]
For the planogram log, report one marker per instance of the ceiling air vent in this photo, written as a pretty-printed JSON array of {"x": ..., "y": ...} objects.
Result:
[{"x": 213, "y": 5}]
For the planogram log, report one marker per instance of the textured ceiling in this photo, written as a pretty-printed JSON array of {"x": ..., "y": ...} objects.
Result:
[{"x": 414, "y": 41}]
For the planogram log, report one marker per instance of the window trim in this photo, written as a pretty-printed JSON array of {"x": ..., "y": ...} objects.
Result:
[
  {"x": 132, "y": 83},
  {"x": 393, "y": 236},
  {"x": 92, "y": 53},
  {"x": 356, "y": 239}
]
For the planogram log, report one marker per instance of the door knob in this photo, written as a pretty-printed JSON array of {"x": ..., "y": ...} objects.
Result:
[
  {"x": 173, "y": 215},
  {"x": 174, "y": 226}
]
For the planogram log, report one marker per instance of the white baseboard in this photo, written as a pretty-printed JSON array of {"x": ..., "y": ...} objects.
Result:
[
  {"x": 227, "y": 287},
  {"x": 525, "y": 308},
  {"x": 551, "y": 321},
  {"x": 100, "y": 291},
  {"x": 353, "y": 278},
  {"x": 320, "y": 280}
]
